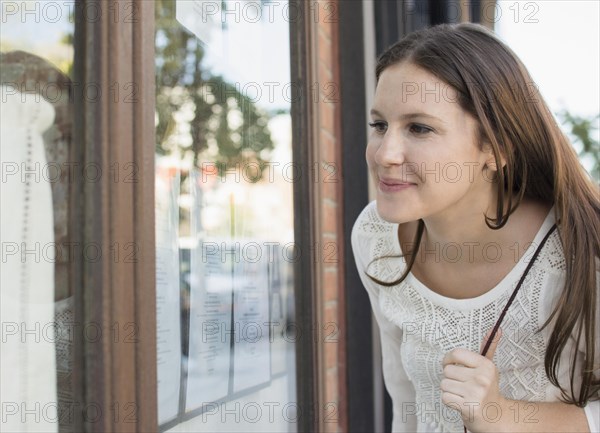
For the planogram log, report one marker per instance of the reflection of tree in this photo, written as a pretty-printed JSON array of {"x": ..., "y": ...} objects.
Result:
[
  {"x": 59, "y": 54},
  {"x": 580, "y": 130},
  {"x": 200, "y": 115}
]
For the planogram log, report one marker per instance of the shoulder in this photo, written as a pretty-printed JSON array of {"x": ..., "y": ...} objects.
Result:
[
  {"x": 369, "y": 225},
  {"x": 372, "y": 236},
  {"x": 535, "y": 226}
]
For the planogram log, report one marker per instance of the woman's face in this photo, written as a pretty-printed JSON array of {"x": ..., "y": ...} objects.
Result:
[{"x": 423, "y": 151}]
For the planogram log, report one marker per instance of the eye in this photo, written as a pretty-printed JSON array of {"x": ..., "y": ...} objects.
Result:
[
  {"x": 418, "y": 129},
  {"x": 379, "y": 126}
]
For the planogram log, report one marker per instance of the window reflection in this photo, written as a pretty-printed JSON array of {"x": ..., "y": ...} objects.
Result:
[
  {"x": 223, "y": 131},
  {"x": 36, "y": 58}
]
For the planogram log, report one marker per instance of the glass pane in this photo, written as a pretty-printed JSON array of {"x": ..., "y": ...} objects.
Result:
[
  {"x": 225, "y": 226},
  {"x": 36, "y": 349}
]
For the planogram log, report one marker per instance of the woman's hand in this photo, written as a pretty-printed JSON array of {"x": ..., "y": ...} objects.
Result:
[{"x": 470, "y": 385}]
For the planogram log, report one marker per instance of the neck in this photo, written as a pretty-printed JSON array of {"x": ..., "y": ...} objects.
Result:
[
  {"x": 464, "y": 237},
  {"x": 464, "y": 225}
]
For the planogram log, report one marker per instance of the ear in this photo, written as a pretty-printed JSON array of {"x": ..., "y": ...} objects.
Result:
[
  {"x": 491, "y": 164},
  {"x": 490, "y": 161}
]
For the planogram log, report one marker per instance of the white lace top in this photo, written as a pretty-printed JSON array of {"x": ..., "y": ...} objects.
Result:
[{"x": 418, "y": 327}]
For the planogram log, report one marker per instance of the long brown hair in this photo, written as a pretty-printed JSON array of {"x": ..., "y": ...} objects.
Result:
[{"x": 541, "y": 164}]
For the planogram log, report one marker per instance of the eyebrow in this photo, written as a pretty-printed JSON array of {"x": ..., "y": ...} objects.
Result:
[{"x": 409, "y": 116}]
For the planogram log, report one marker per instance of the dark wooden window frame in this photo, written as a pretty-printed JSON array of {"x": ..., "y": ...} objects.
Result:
[
  {"x": 360, "y": 386},
  {"x": 304, "y": 154},
  {"x": 116, "y": 292},
  {"x": 115, "y": 50}
]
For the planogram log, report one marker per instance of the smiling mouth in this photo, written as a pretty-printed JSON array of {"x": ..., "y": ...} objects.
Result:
[{"x": 394, "y": 186}]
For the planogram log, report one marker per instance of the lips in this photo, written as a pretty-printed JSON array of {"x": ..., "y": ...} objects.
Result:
[{"x": 394, "y": 185}]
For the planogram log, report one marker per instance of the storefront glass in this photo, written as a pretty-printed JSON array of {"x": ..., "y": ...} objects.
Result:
[
  {"x": 37, "y": 166},
  {"x": 224, "y": 217}
]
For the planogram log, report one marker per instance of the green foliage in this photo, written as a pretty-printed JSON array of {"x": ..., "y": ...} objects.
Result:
[
  {"x": 580, "y": 130},
  {"x": 225, "y": 126}
]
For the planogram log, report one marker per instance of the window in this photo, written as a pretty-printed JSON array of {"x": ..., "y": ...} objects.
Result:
[
  {"x": 38, "y": 156},
  {"x": 224, "y": 217}
]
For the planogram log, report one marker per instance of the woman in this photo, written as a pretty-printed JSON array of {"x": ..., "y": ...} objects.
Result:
[{"x": 480, "y": 198}]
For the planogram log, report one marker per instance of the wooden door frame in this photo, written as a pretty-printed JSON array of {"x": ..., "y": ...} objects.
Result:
[
  {"x": 306, "y": 210},
  {"x": 115, "y": 213},
  {"x": 115, "y": 42}
]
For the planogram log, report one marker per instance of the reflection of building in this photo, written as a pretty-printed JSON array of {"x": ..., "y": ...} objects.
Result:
[{"x": 142, "y": 87}]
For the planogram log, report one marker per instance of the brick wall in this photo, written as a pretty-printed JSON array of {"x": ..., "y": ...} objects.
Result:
[{"x": 330, "y": 231}]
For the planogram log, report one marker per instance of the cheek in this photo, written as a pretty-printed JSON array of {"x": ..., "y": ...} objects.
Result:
[{"x": 370, "y": 152}]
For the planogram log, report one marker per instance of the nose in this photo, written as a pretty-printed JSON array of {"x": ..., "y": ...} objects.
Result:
[{"x": 391, "y": 150}]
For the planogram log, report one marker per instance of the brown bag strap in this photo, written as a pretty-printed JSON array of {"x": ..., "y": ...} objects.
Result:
[
  {"x": 516, "y": 290},
  {"x": 514, "y": 295}
]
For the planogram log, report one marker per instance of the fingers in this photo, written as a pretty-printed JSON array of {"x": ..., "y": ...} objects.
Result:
[
  {"x": 452, "y": 386},
  {"x": 470, "y": 378},
  {"x": 493, "y": 345},
  {"x": 471, "y": 359},
  {"x": 452, "y": 400},
  {"x": 456, "y": 372},
  {"x": 463, "y": 357}
]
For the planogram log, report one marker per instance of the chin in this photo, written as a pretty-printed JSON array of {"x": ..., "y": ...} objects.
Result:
[{"x": 392, "y": 212}]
